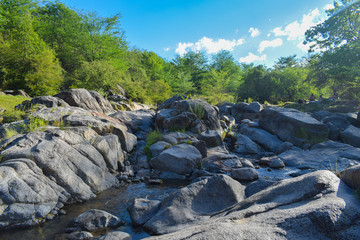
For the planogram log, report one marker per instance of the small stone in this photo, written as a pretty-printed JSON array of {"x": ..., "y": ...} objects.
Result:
[
  {"x": 244, "y": 174},
  {"x": 276, "y": 163},
  {"x": 62, "y": 212}
]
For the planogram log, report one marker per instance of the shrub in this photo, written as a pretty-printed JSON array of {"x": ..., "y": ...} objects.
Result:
[
  {"x": 153, "y": 137},
  {"x": 35, "y": 124},
  {"x": 12, "y": 116}
]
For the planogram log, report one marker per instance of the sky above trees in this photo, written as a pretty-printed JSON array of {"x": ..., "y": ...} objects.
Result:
[{"x": 257, "y": 31}]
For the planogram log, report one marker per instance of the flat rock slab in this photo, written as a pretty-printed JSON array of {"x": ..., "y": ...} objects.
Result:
[
  {"x": 319, "y": 202},
  {"x": 265, "y": 139},
  {"x": 327, "y": 155},
  {"x": 293, "y": 126}
]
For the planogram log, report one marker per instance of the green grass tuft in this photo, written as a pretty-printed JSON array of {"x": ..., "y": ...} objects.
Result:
[
  {"x": 9, "y": 132},
  {"x": 9, "y": 102},
  {"x": 197, "y": 109},
  {"x": 153, "y": 137}
]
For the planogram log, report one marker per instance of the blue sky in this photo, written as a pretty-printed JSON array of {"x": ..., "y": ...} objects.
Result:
[{"x": 258, "y": 31}]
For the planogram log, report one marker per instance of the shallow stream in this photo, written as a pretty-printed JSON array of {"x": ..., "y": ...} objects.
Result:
[{"x": 114, "y": 201}]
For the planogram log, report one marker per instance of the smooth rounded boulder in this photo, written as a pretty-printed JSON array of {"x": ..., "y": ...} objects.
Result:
[
  {"x": 195, "y": 203},
  {"x": 180, "y": 159},
  {"x": 93, "y": 220}
]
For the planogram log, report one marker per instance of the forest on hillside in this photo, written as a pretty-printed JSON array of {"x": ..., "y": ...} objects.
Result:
[{"x": 48, "y": 46}]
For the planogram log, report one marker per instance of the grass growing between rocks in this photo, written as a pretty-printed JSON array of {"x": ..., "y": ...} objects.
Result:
[
  {"x": 197, "y": 109},
  {"x": 36, "y": 124},
  {"x": 152, "y": 138},
  {"x": 9, "y": 132}
]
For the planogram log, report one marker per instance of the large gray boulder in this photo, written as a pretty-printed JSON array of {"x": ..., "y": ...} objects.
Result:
[
  {"x": 27, "y": 196},
  {"x": 338, "y": 121},
  {"x": 167, "y": 103},
  {"x": 312, "y": 206},
  {"x": 180, "y": 159},
  {"x": 245, "y": 145},
  {"x": 140, "y": 120},
  {"x": 99, "y": 122},
  {"x": 158, "y": 147},
  {"x": 293, "y": 126},
  {"x": 18, "y": 92},
  {"x": 351, "y": 136},
  {"x": 88, "y": 100},
  {"x": 47, "y": 101},
  {"x": 40, "y": 169},
  {"x": 212, "y": 138},
  {"x": 93, "y": 220},
  {"x": 174, "y": 120},
  {"x": 195, "y": 203},
  {"x": 265, "y": 139},
  {"x": 192, "y": 114},
  {"x": 328, "y": 155}
]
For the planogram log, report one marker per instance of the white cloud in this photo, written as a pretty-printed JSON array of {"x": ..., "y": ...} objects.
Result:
[
  {"x": 252, "y": 58},
  {"x": 209, "y": 45},
  {"x": 296, "y": 30},
  {"x": 254, "y": 32},
  {"x": 166, "y": 49},
  {"x": 266, "y": 44},
  {"x": 181, "y": 49},
  {"x": 328, "y": 6},
  {"x": 303, "y": 47}
]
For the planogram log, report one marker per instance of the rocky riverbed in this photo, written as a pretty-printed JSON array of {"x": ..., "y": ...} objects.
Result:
[{"x": 251, "y": 171}]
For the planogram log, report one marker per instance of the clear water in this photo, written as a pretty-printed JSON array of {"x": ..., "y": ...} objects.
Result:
[{"x": 115, "y": 201}]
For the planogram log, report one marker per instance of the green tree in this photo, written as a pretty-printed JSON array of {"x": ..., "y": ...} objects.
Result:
[
  {"x": 97, "y": 75},
  {"x": 26, "y": 61},
  {"x": 77, "y": 37},
  {"x": 342, "y": 26},
  {"x": 194, "y": 63}
]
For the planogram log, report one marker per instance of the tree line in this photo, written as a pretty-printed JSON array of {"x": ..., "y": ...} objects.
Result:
[{"x": 48, "y": 46}]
